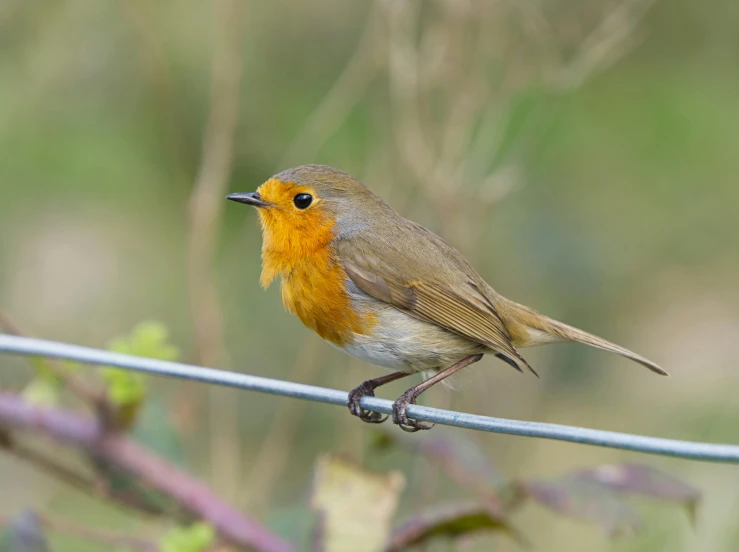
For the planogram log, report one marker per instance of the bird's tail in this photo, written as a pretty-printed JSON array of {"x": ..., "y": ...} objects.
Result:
[{"x": 527, "y": 328}]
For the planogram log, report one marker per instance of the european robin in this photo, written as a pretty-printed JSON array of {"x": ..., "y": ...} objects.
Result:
[{"x": 387, "y": 290}]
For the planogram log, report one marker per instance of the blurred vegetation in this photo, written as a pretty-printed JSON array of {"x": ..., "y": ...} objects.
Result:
[{"x": 581, "y": 154}]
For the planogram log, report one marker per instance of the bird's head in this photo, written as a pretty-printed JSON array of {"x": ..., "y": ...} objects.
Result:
[{"x": 302, "y": 210}]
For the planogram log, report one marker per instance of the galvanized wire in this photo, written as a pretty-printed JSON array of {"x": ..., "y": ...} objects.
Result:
[{"x": 707, "y": 452}]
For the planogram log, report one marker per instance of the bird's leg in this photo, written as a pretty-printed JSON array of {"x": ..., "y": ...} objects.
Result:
[
  {"x": 410, "y": 396},
  {"x": 367, "y": 389}
]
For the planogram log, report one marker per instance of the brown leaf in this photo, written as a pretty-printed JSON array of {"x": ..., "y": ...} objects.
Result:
[
  {"x": 355, "y": 506},
  {"x": 584, "y": 499},
  {"x": 645, "y": 481},
  {"x": 597, "y": 493},
  {"x": 451, "y": 522}
]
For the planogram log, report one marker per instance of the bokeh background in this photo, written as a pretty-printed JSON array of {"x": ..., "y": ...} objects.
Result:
[{"x": 583, "y": 155}]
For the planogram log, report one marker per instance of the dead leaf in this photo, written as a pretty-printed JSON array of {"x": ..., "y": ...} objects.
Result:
[
  {"x": 355, "y": 506},
  {"x": 646, "y": 481},
  {"x": 597, "y": 493},
  {"x": 585, "y": 499},
  {"x": 451, "y": 522}
]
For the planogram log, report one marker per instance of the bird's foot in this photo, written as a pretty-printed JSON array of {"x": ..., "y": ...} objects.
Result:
[
  {"x": 400, "y": 418},
  {"x": 365, "y": 389}
]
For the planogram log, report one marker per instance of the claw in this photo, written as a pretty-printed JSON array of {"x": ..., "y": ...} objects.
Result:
[
  {"x": 401, "y": 419},
  {"x": 355, "y": 395},
  {"x": 372, "y": 417},
  {"x": 414, "y": 425}
]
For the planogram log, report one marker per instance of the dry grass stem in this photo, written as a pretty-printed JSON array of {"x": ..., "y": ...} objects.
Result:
[{"x": 206, "y": 203}]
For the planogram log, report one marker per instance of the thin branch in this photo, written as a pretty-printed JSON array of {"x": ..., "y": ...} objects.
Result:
[
  {"x": 150, "y": 46},
  {"x": 610, "y": 40},
  {"x": 43, "y": 462},
  {"x": 10, "y": 325},
  {"x": 119, "y": 450},
  {"x": 206, "y": 204},
  {"x": 88, "y": 485},
  {"x": 402, "y": 64},
  {"x": 706, "y": 452},
  {"x": 206, "y": 201},
  {"x": 359, "y": 73}
]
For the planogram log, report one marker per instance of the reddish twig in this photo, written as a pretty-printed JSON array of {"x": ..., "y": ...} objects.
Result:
[
  {"x": 88, "y": 485},
  {"x": 118, "y": 449},
  {"x": 63, "y": 473}
]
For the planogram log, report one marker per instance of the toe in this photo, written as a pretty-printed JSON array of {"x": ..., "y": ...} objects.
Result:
[
  {"x": 355, "y": 395},
  {"x": 401, "y": 419},
  {"x": 422, "y": 425},
  {"x": 411, "y": 426},
  {"x": 372, "y": 417},
  {"x": 408, "y": 428},
  {"x": 354, "y": 408}
]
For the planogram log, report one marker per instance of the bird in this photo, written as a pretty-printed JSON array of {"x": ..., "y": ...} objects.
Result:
[{"x": 388, "y": 291}]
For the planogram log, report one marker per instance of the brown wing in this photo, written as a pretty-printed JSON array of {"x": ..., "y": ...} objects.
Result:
[{"x": 455, "y": 303}]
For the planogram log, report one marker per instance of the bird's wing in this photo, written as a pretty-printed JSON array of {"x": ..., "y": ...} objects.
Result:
[{"x": 451, "y": 300}]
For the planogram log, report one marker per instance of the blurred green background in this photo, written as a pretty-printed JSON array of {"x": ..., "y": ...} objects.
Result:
[{"x": 583, "y": 155}]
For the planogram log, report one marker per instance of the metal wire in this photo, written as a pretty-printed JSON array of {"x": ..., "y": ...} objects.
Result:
[{"x": 706, "y": 452}]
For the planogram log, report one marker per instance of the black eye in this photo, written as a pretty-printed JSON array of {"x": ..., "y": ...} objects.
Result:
[{"x": 303, "y": 201}]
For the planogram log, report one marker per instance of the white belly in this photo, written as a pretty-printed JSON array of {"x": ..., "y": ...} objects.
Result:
[{"x": 403, "y": 343}]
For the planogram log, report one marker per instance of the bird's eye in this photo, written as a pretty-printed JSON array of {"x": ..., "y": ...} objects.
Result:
[{"x": 303, "y": 201}]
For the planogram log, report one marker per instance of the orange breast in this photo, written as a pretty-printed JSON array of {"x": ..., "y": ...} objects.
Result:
[
  {"x": 315, "y": 291},
  {"x": 297, "y": 247}
]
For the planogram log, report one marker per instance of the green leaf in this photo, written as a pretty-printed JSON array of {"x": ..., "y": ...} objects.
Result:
[
  {"x": 126, "y": 389},
  {"x": 127, "y": 392},
  {"x": 148, "y": 339},
  {"x": 43, "y": 391},
  {"x": 195, "y": 538},
  {"x": 46, "y": 387}
]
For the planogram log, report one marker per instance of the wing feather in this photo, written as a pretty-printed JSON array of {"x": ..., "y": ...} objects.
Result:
[{"x": 457, "y": 306}]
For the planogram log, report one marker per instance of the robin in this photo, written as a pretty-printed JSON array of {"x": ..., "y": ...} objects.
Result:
[{"x": 387, "y": 290}]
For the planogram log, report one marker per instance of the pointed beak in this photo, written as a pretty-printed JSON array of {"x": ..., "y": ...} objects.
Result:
[{"x": 250, "y": 198}]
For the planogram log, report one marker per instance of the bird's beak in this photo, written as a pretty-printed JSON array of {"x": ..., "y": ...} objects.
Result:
[{"x": 250, "y": 198}]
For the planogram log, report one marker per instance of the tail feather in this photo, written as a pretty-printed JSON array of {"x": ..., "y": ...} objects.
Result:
[
  {"x": 528, "y": 328},
  {"x": 570, "y": 333},
  {"x": 516, "y": 363}
]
